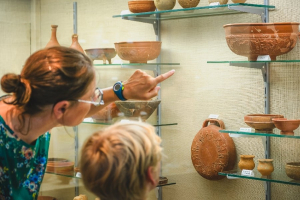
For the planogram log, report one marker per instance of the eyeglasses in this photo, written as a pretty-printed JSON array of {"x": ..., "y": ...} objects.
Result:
[{"x": 96, "y": 99}]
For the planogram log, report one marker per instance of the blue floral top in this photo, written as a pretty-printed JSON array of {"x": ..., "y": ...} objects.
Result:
[{"x": 22, "y": 166}]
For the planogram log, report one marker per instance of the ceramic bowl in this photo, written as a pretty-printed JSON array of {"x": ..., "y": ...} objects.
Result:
[
  {"x": 141, "y": 6},
  {"x": 220, "y": 1},
  {"x": 136, "y": 109},
  {"x": 262, "y": 123},
  {"x": 188, "y": 3},
  {"x": 292, "y": 170},
  {"x": 138, "y": 52},
  {"x": 60, "y": 166},
  {"x": 254, "y": 39},
  {"x": 287, "y": 126},
  {"x": 238, "y": 1},
  {"x": 101, "y": 54}
]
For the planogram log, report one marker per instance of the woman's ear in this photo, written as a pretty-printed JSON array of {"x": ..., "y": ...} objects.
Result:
[{"x": 59, "y": 109}]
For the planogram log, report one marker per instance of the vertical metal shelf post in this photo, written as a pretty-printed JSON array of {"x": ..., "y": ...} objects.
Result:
[{"x": 76, "y": 127}]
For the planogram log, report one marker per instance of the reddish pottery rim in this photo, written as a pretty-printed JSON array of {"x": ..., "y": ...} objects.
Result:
[
  {"x": 137, "y": 42},
  {"x": 262, "y": 24}
]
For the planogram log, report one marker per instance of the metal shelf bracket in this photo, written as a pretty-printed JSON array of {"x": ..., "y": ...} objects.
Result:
[
  {"x": 258, "y": 11},
  {"x": 259, "y": 65}
]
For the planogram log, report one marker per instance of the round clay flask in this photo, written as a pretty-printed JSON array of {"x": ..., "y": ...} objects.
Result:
[
  {"x": 164, "y": 4},
  {"x": 188, "y": 3},
  {"x": 75, "y": 44},
  {"x": 238, "y": 1},
  {"x": 220, "y": 1},
  {"x": 53, "y": 40},
  {"x": 265, "y": 166},
  {"x": 246, "y": 162}
]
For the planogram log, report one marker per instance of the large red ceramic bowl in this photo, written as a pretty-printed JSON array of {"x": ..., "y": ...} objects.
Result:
[
  {"x": 138, "y": 52},
  {"x": 254, "y": 39}
]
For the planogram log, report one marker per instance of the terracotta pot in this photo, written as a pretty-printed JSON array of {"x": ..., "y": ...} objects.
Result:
[
  {"x": 212, "y": 151},
  {"x": 262, "y": 123},
  {"x": 138, "y": 52},
  {"x": 292, "y": 170},
  {"x": 220, "y": 1},
  {"x": 238, "y": 1},
  {"x": 75, "y": 44},
  {"x": 188, "y": 3},
  {"x": 265, "y": 166},
  {"x": 53, "y": 40},
  {"x": 254, "y": 39},
  {"x": 286, "y": 126},
  {"x": 60, "y": 166},
  {"x": 105, "y": 54},
  {"x": 141, "y": 6},
  {"x": 246, "y": 162},
  {"x": 165, "y": 4},
  {"x": 163, "y": 180},
  {"x": 137, "y": 108}
]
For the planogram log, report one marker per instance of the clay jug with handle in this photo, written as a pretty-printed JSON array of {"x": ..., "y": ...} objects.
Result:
[
  {"x": 75, "y": 44},
  {"x": 53, "y": 40}
]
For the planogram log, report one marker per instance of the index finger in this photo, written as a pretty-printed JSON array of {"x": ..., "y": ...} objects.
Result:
[{"x": 164, "y": 76}]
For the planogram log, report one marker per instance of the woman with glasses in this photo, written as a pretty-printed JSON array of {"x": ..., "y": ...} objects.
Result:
[{"x": 56, "y": 87}]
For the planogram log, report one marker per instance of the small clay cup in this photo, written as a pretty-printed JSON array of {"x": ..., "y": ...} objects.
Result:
[
  {"x": 141, "y": 6},
  {"x": 246, "y": 162},
  {"x": 292, "y": 170},
  {"x": 188, "y": 3},
  {"x": 265, "y": 166},
  {"x": 287, "y": 126}
]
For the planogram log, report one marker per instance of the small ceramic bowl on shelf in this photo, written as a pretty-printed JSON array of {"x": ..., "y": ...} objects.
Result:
[
  {"x": 287, "y": 126},
  {"x": 238, "y": 1},
  {"x": 220, "y": 1},
  {"x": 141, "y": 6},
  {"x": 262, "y": 123},
  {"x": 105, "y": 54},
  {"x": 292, "y": 170}
]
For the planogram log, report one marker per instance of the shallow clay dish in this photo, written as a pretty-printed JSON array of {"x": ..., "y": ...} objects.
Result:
[
  {"x": 292, "y": 170},
  {"x": 135, "y": 108},
  {"x": 138, "y": 52},
  {"x": 287, "y": 126},
  {"x": 163, "y": 180},
  {"x": 141, "y": 6},
  {"x": 262, "y": 123},
  {"x": 254, "y": 39},
  {"x": 101, "y": 54},
  {"x": 238, "y": 1},
  {"x": 60, "y": 166},
  {"x": 212, "y": 151}
]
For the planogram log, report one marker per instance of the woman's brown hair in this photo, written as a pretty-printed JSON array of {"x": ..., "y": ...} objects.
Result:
[{"x": 49, "y": 76}]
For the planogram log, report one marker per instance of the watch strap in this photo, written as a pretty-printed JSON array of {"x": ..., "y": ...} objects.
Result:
[{"x": 119, "y": 92}]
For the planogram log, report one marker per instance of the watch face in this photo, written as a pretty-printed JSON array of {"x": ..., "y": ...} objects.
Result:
[{"x": 117, "y": 87}]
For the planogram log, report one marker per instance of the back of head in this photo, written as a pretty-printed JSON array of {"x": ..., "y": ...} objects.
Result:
[
  {"x": 49, "y": 76},
  {"x": 114, "y": 162}
]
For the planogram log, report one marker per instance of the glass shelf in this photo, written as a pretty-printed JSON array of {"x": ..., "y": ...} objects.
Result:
[
  {"x": 91, "y": 121},
  {"x": 276, "y": 177},
  {"x": 78, "y": 177},
  {"x": 145, "y": 66},
  {"x": 271, "y": 61},
  {"x": 260, "y": 134},
  {"x": 197, "y": 11}
]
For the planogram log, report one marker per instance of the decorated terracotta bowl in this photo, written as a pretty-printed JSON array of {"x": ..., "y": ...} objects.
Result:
[
  {"x": 287, "y": 126},
  {"x": 138, "y": 52},
  {"x": 141, "y": 6},
  {"x": 60, "y": 166},
  {"x": 292, "y": 170},
  {"x": 254, "y": 39},
  {"x": 105, "y": 54},
  {"x": 262, "y": 123}
]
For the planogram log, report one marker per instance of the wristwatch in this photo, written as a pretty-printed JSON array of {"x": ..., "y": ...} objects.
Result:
[{"x": 118, "y": 89}]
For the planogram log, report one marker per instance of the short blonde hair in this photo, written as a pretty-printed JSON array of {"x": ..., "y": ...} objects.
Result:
[{"x": 114, "y": 162}]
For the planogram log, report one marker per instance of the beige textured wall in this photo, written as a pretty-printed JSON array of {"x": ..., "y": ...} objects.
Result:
[{"x": 195, "y": 91}]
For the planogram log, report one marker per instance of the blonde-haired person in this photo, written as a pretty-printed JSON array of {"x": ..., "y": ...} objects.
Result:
[
  {"x": 56, "y": 86},
  {"x": 122, "y": 162}
]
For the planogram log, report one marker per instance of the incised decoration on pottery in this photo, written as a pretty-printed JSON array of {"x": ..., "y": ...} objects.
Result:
[
  {"x": 292, "y": 170},
  {"x": 238, "y": 1},
  {"x": 107, "y": 113},
  {"x": 75, "y": 44},
  {"x": 137, "y": 108},
  {"x": 246, "y": 162},
  {"x": 105, "y": 54},
  {"x": 254, "y": 39},
  {"x": 188, "y": 3},
  {"x": 53, "y": 40},
  {"x": 165, "y": 4},
  {"x": 138, "y": 52},
  {"x": 212, "y": 151},
  {"x": 265, "y": 166},
  {"x": 60, "y": 166},
  {"x": 262, "y": 123},
  {"x": 220, "y": 1},
  {"x": 287, "y": 126},
  {"x": 141, "y": 6}
]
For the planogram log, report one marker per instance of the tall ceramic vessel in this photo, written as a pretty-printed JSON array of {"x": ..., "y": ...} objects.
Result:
[
  {"x": 188, "y": 3},
  {"x": 164, "y": 4},
  {"x": 75, "y": 44},
  {"x": 53, "y": 40},
  {"x": 246, "y": 162}
]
